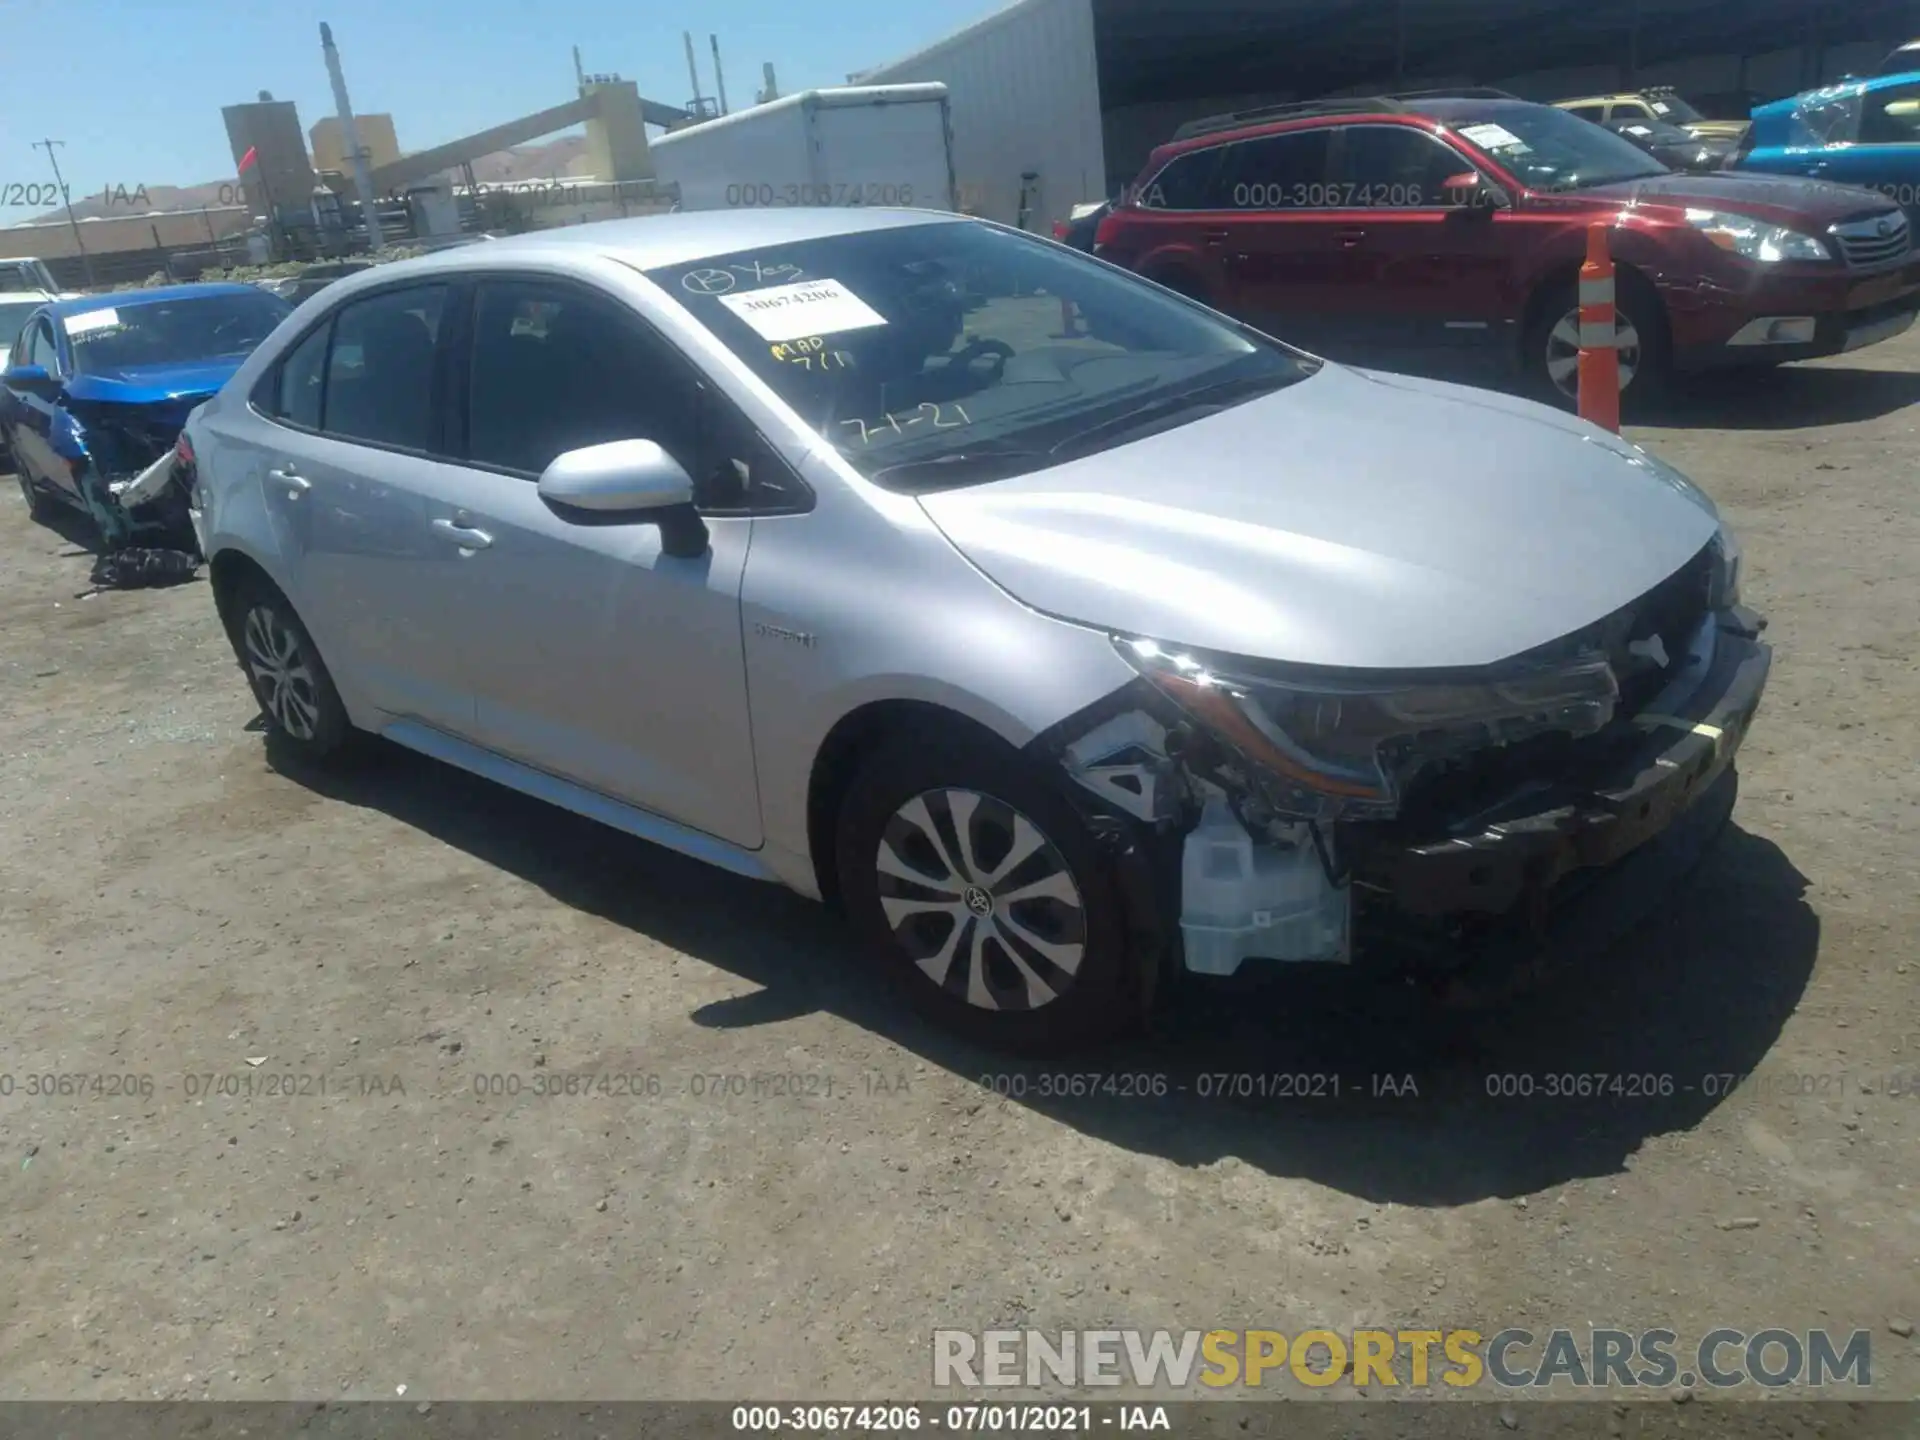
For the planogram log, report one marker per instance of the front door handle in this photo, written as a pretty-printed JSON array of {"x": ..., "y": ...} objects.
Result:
[
  {"x": 1214, "y": 237},
  {"x": 294, "y": 484},
  {"x": 1351, "y": 238},
  {"x": 465, "y": 536}
]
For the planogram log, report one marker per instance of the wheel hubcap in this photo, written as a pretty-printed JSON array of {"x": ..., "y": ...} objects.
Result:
[
  {"x": 981, "y": 901},
  {"x": 1563, "y": 351},
  {"x": 281, "y": 676}
]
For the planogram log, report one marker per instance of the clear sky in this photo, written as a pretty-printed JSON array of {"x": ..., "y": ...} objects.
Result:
[{"x": 135, "y": 87}]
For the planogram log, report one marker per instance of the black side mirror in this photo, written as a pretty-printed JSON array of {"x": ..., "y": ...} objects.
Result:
[{"x": 1471, "y": 193}]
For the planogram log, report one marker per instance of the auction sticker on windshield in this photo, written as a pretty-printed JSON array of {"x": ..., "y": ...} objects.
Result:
[
  {"x": 92, "y": 320},
  {"x": 811, "y": 307},
  {"x": 1493, "y": 137}
]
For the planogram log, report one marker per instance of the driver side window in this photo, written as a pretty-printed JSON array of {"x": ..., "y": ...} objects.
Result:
[{"x": 36, "y": 347}]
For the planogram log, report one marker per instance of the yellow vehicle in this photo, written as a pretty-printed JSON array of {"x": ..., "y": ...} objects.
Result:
[{"x": 1661, "y": 103}]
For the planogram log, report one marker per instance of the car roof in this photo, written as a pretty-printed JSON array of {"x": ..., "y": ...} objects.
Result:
[
  {"x": 127, "y": 299},
  {"x": 648, "y": 241}
]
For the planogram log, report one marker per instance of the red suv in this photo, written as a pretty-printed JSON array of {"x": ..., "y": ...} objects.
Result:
[{"x": 1417, "y": 224}]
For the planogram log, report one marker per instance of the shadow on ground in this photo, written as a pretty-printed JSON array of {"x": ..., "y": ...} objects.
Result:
[
  {"x": 1686, "y": 1002},
  {"x": 1787, "y": 397}
]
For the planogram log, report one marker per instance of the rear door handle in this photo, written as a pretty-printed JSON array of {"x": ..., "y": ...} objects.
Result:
[
  {"x": 1214, "y": 237},
  {"x": 465, "y": 536},
  {"x": 294, "y": 484},
  {"x": 1351, "y": 238}
]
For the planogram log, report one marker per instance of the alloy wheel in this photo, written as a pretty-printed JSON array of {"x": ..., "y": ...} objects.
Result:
[
  {"x": 281, "y": 676},
  {"x": 1563, "y": 352},
  {"x": 981, "y": 900}
]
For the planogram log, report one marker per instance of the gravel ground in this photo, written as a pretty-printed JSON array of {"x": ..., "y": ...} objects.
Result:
[{"x": 411, "y": 952}]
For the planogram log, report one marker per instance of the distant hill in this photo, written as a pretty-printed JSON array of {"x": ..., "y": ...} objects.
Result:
[{"x": 563, "y": 156}]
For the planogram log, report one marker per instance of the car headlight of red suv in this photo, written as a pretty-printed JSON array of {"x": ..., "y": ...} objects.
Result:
[{"x": 1755, "y": 239}]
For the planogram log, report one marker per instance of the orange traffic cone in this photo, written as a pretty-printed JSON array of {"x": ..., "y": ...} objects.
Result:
[{"x": 1599, "y": 357}]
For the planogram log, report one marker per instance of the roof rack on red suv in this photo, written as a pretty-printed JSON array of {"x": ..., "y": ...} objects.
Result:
[{"x": 1336, "y": 105}]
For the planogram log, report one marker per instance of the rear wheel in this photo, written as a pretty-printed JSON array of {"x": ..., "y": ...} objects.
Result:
[
  {"x": 284, "y": 668},
  {"x": 978, "y": 889}
]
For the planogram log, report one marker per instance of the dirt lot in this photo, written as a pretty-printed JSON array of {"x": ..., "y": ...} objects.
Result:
[{"x": 176, "y": 906}]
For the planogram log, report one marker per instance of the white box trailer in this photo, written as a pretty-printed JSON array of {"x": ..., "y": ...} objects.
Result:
[
  {"x": 1028, "y": 138},
  {"x": 854, "y": 145}
]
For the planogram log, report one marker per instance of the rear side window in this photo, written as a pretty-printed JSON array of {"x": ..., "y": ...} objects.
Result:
[
  {"x": 1185, "y": 182},
  {"x": 1277, "y": 172},
  {"x": 379, "y": 384},
  {"x": 1891, "y": 116},
  {"x": 556, "y": 369}
]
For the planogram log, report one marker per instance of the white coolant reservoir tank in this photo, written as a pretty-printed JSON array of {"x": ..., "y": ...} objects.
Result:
[{"x": 1239, "y": 900}]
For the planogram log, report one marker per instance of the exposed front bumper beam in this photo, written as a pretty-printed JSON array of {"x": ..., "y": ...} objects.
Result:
[{"x": 1494, "y": 869}]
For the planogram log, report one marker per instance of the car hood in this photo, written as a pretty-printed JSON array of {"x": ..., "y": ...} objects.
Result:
[
  {"x": 153, "y": 384},
  {"x": 1353, "y": 520},
  {"x": 1730, "y": 130},
  {"x": 1776, "y": 199}
]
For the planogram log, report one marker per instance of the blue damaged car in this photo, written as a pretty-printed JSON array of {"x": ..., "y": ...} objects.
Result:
[
  {"x": 1856, "y": 132},
  {"x": 96, "y": 391}
]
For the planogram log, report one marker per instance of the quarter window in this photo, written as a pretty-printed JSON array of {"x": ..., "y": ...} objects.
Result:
[
  {"x": 300, "y": 380},
  {"x": 379, "y": 383},
  {"x": 1184, "y": 183}
]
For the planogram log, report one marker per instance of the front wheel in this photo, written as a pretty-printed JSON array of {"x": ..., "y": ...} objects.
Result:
[
  {"x": 1551, "y": 354},
  {"x": 977, "y": 888}
]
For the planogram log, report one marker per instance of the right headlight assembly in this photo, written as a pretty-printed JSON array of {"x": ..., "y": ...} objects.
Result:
[
  {"x": 1340, "y": 747},
  {"x": 1755, "y": 239}
]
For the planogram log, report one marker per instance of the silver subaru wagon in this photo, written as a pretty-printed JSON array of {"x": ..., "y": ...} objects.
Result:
[{"x": 1068, "y": 635}]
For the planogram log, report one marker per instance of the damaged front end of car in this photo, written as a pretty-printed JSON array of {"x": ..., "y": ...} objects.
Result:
[
  {"x": 125, "y": 468},
  {"x": 1433, "y": 813}
]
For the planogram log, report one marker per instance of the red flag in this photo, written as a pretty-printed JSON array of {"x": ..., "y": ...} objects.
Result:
[{"x": 247, "y": 159}]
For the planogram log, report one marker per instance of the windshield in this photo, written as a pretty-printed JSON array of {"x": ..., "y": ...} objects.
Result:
[
  {"x": 1652, "y": 132},
  {"x": 12, "y": 317},
  {"x": 172, "y": 332},
  {"x": 1674, "y": 110},
  {"x": 1551, "y": 150},
  {"x": 956, "y": 352}
]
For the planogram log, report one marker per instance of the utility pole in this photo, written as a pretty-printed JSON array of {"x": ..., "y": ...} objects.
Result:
[{"x": 86, "y": 261}]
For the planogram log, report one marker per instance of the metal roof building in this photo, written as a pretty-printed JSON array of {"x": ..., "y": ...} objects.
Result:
[{"x": 1075, "y": 92}]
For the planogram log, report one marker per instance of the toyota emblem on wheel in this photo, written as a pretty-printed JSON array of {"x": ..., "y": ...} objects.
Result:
[{"x": 979, "y": 901}]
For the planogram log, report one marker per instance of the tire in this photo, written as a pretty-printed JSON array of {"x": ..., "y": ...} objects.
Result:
[
  {"x": 283, "y": 667},
  {"x": 1041, "y": 974},
  {"x": 1550, "y": 350}
]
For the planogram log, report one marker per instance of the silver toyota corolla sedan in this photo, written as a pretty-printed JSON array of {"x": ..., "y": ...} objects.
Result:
[{"x": 1066, "y": 633}]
